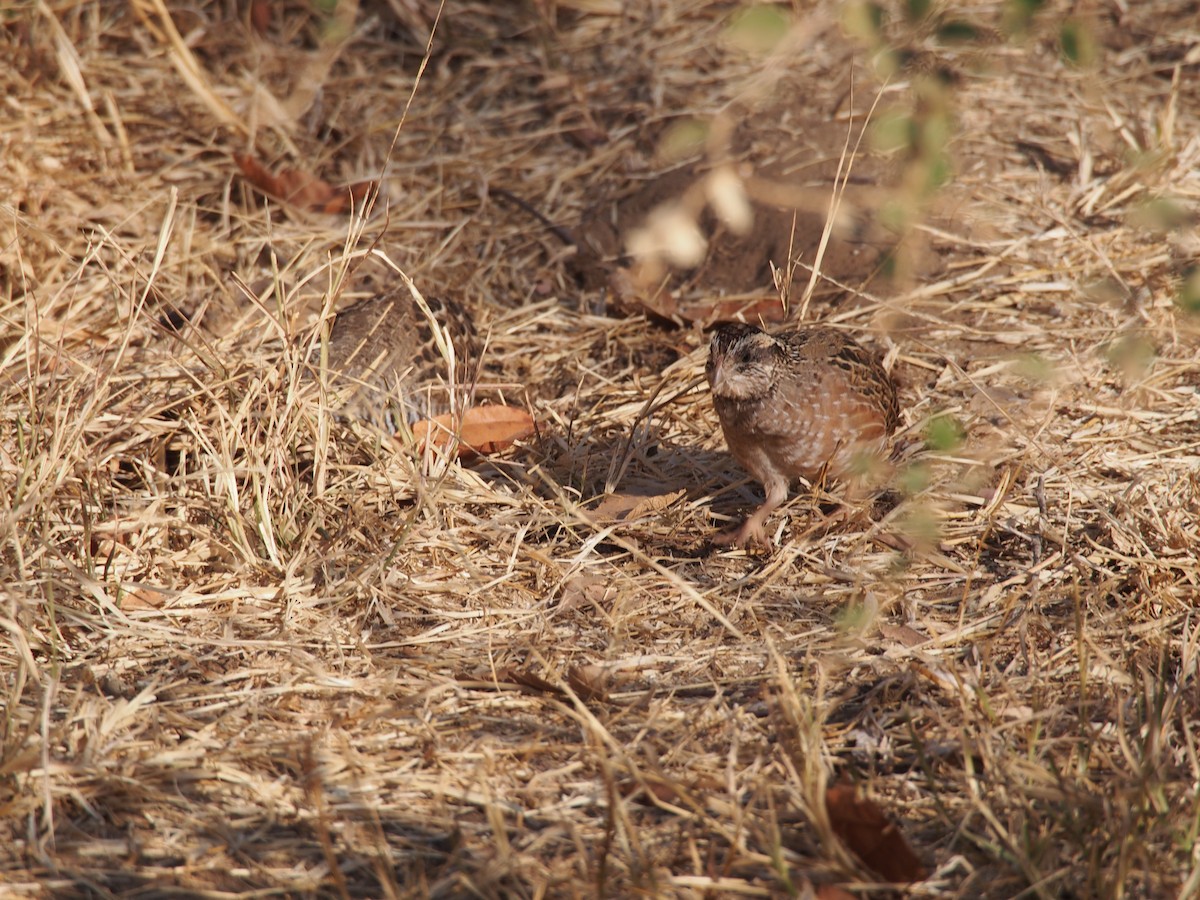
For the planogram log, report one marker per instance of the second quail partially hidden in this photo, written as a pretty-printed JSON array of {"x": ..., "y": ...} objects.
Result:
[
  {"x": 385, "y": 365},
  {"x": 806, "y": 403}
]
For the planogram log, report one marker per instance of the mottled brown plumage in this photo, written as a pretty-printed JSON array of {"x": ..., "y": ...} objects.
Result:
[
  {"x": 807, "y": 403},
  {"x": 385, "y": 365}
]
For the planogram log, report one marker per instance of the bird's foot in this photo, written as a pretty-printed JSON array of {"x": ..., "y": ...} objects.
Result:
[{"x": 749, "y": 533}]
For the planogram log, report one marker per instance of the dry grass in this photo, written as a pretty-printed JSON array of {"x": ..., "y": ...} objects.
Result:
[{"x": 253, "y": 651}]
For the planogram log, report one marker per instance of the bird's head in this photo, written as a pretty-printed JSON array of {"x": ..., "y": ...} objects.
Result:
[{"x": 743, "y": 362}]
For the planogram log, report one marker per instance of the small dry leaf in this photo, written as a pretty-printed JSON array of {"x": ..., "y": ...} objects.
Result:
[
  {"x": 588, "y": 137},
  {"x": 588, "y": 682},
  {"x": 579, "y": 127},
  {"x": 649, "y": 788},
  {"x": 628, "y": 507},
  {"x": 641, "y": 290},
  {"x": 583, "y": 589},
  {"x": 261, "y": 14},
  {"x": 940, "y": 676},
  {"x": 864, "y": 828},
  {"x": 302, "y": 189},
  {"x": 484, "y": 429},
  {"x": 903, "y": 634},
  {"x": 142, "y": 598},
  {"x": 527, "y": 679}
]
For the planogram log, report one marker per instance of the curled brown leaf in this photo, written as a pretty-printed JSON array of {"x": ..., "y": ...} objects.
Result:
[
  {"x": 301, "y": 188},
  {"x": 482, "y": 429}
]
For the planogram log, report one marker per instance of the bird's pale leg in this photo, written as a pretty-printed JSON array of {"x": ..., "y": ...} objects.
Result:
[{"x": 751, "y": 531}]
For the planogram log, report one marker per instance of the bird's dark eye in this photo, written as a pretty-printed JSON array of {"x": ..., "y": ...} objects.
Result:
[{"x": 743, "y": 356}]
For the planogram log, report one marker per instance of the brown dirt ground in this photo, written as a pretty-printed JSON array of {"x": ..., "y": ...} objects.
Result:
[{"x": 254, "y": 650}]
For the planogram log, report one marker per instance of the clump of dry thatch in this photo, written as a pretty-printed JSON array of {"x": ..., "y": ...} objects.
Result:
[{"x": 254, "y": 648}]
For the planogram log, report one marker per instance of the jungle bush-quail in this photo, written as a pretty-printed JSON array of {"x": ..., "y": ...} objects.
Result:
[{"x": 806, "y": 403}]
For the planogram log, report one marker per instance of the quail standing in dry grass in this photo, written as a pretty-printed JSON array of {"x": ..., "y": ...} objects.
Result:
[
  {"x": 807, "y": 403},
  {"x": 387, "y": 366}
]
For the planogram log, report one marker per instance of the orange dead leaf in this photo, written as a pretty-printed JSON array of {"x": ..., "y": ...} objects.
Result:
[
  {"x": 142, "y": 598},
  {"x": 650, "y": 788},
  {"x": 864, "y": 828},
  {"x": 300, "y": 188},
  {"x": 261, "y": 14},
  {"x": 484, "y": 429}
]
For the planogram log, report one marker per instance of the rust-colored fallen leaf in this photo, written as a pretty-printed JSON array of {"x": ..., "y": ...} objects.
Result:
[
  {"x": 300, "y": 188},
  {"x": 864, "y": 828},
  {"x": 261, "y": 13},
  {"x": 587, "y": 136},
  {"x": 484, "y": 429}
]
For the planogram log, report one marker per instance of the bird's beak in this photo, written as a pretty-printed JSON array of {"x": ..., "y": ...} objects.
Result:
[{"x": 716, "y": 377}]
